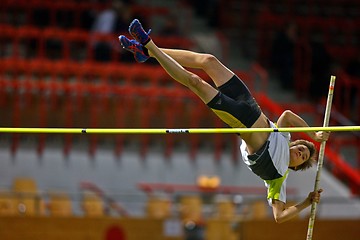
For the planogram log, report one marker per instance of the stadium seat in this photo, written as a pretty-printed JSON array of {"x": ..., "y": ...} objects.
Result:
[
  {"x": 28, "y": 42},
  {"x": 259, "y": 210},
  {"x": 54, "y": 44},
  {"x": 104, "y": 46},
  {"x": 197, "y": 113},
  {"x": 79, "y": 45},
  {"x": 92, "y": 206},
  {"x": 8, "y": 204},
  {"x": 65, "y": 14},
  {"x": 27, "y": 200},
  {"x": 24, "y": 185},
  {"x": 125, "y": 99},
  {"x": 8, "y": 47},
  {"x": 176, "y": 42},
  {"x": 143, "y": 75},
  {"x": 225, "y": 209},
  {"x": 60, "y": 205},
  {"x": 150, "y": 115},
  {"x": 191, "y": 208},
  {"x": 172, "y": 112},
  {"x": 158, "y": 207}
]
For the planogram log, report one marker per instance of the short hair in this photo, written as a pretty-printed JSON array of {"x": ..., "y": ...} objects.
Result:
[{"x": 312, "y": 159}]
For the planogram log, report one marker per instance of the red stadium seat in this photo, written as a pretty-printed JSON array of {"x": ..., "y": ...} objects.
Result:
[
  {"x": 106, "y": 45},
  {"x": 149, "y": 108},
  {"x": 144, "y": 75},
  {"x": 54, "y": 45},
  {"x": 8, "y": 47},
  {"x": 79, "y": 45},
  {"x": 172, "y": 106},
  {"x": 29, "y": 39},
  {"x": 125, "y": 103},
  {"x": 174, "y": 42}
]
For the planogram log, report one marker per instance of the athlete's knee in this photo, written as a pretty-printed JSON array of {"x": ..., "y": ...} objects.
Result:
[
  {"x": 209, "y": 59},
  {"x": 194, "y": 80}
]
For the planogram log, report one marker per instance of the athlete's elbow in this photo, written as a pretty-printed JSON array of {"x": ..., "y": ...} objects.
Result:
[
  {"x": 279, "y": 219},
  {"x": 288, "y": 113},
  {"x": 286, "y": 118}
]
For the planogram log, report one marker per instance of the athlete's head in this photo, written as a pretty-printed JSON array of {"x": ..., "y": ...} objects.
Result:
[{"x": 302, "y": 155}]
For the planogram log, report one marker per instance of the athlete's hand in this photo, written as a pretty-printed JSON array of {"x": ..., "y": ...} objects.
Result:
[
  {"x": 321, "y": 136},
  {"x": 314, "y": 196}
]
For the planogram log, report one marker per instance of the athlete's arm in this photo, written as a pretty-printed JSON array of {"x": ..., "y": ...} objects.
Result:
[
  {"x": 283, "y": 214},
  {"x": 290, "y": 119}
]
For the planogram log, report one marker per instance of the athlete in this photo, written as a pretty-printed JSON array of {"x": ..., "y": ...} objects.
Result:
[{"x": 268, "y": 155}]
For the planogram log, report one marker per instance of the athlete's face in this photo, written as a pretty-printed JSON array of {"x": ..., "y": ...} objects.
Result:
[{"x": 298, "y": 155}]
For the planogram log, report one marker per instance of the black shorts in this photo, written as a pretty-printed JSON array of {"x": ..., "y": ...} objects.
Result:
[
  {"x": 264, "y": 165},
  {"x": 235, "y": 105}
]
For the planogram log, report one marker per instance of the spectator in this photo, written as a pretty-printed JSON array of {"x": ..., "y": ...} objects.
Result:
[
  {"x": 320, "y": 69},
  {"x": 282, "y": 55},
  {"x": 353, "y": 70},
  {"x": 170, "y": 27},
  {"x": 112, "y": 20},
  {"x": 353, "y": 67},
  {"x": 208, "y": 9}
]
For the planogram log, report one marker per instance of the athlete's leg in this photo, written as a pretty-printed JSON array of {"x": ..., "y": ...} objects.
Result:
[
  {"x": 201, "y": 88},
  {"x": 204, "y": 90},
  {"x": 207, "y": 62},
  {"x": 219, "y": 73},
  {"x": 235, "y": 104},
  {"x": 227, "y": 82}
]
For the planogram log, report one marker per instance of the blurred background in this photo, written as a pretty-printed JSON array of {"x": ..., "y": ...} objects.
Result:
[{"x": 61, "y": 66}]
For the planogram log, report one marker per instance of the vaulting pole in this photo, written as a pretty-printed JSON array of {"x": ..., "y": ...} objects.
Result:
[{"x": 321, "y": 158}]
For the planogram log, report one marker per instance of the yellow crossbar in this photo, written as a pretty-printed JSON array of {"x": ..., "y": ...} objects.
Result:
[{"x": 174, "y": 131}]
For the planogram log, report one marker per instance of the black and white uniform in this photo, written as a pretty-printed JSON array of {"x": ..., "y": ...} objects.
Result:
[
  {"x": 271, "y": 163},
  {"x": 235, "y": 105}
]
